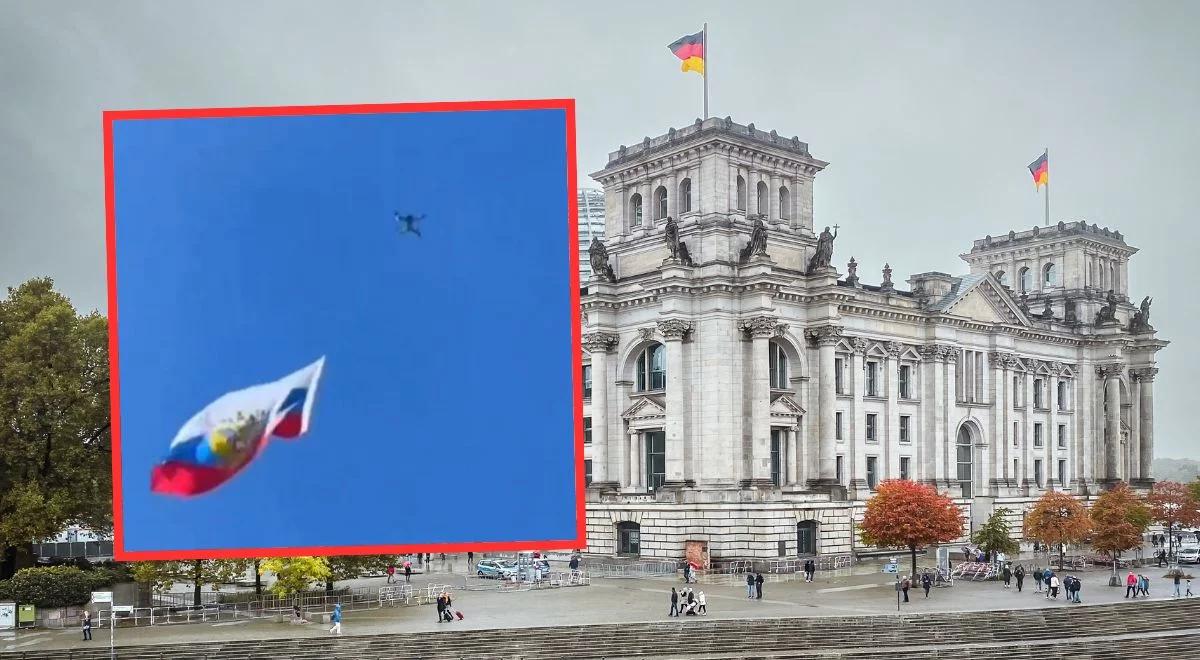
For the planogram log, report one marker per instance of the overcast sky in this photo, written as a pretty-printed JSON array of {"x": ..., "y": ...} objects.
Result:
[{"x": 928, "y": 112}]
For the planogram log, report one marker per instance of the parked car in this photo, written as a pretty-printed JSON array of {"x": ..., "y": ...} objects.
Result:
[
  {"x": 1189, "y": 556},
  {"x": 492, "y": 568}
]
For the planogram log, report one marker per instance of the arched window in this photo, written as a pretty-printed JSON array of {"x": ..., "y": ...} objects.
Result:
[
  {"x": 629, "y": 538},
  {"x": 1024, "y": 281},
  {"x": 964, "y": 460},
  {"x": 652, "y": 368},
  {"x": 741, "y": 193},
  {"x": 685, "y": 196},
  {"x": 764, "y": 198},
  {"x": 635, "y": 208},
  {"x": 660, "y": 203},
  {"x": 1048, "y": 275},
  {"x": 785, "y": 203},
  {"x": 779, "y": 367},
  {"x": 1000, "y": 276}
]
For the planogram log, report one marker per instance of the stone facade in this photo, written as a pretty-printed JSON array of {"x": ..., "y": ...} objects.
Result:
[{"x": 752, "y": 398}]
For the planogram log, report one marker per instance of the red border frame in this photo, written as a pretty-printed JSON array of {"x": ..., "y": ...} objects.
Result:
[{"x": 566, "y": 105}]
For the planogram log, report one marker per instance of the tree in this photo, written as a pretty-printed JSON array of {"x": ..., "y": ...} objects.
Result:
[
  {"x": 296, "y": 574},
  {"x": 995, "y": 535},
  {"x": 55, "y": 450},
  {"x": 1119, "y": 518},
  {"x": 161, "y": 575},
  {"x": 1058, "y": 519},
  {"x": 910, "y": 515},
  {"x": 351, "y": 567},
  {"x": 1172, "y": 503}
]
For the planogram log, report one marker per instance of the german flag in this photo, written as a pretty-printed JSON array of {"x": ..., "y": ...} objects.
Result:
[
  {"x": 690, "y": 50},
  {"x": 1040, "y": 169}
]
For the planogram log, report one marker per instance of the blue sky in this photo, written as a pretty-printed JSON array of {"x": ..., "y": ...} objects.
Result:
[{"x": 249, "y": 247}]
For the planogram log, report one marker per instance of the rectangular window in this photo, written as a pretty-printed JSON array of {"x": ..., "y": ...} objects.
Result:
[
  {"x": 587, "y": 430},
  {"x": 1062, "y": 395},
  {"x": 1016, "y": 392},
  {"x": 872, "y": 379},
  {"x": 1015, "y": 470},
  {"x": 776, "y": 458},
  {"x": 1062, "y": 473},
  {"x": 1062, "y": 436},
  {"x": 1038, "y": 399},
  {"x": 905, "y": 381},
  {"x": 587, "y": 472},
  {"x": 871, "y": 424},
  {"x": 872, "y": 472},
  {"x": 1037, "y": 472},
  {"x": 656, "y": 459},
  {"x": 837, "y": 425},
  {"x": 839, "y": 375},
  {"x": 841, "y": 472},
  {"x": 1016, "y": 433},
  {"x": 904, "y": 462},
  {"x": 904, "y": 428},
  {"x": 1037, "y": 435},
  {"x": 587, "y": 381}
]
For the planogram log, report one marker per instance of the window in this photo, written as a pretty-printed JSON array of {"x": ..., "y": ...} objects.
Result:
[
  {"x": 1000, "y": 277},
  {"x": 965, "y": 465},
  {"x": 763, "y": 199},
  {"x": 1037, "y": 434},
  {"x": 778, "y": 367},
  {"x": 904, "y": 464},
  {"x": 1048, "y": 275},
  {"x": 776, "y": 458},
  {"x": 837, "y": 425},
  {"x": 1038, "y": 387},
  {"x": 587, "y": 381},
  {"x": 841, "y": 469},
  {"x": 656, "y": 459},
  {"x": 904, "y": 428},
  {"x": 1016, "y": 392},
  {"x": 1062, "y": 436},
  {"x": 587, "y": 430},
  {"x": 1015, "y": 471},
  {"x": 1062, "y": 395},
  {"x": 635, "y": 205},
  {"x": 872, "y": 472},
  {"x": 839, "y": 378},
  {"x": 1037, "y": 472},
  {"x": 660, "y": 203},
  {"x": 1062, "y": 473},
  {"x": 872, "y": 379},
  {"x": 652, "y": 368},
  {"x": 587, "y": 472},
  {"x": 871, "y": 419},
  {"x": 1016, "y": 434},
  {"x": 741, "y": 193},
  {"x": 1024, "y": 281},
  {"x": 685, "y": 196},
  {"x": 785, "y": 202},
  {"x": 629, "y": 538},
  {"x": 905, "y": 381}
]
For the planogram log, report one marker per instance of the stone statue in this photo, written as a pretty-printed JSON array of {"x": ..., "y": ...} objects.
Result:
[
  {"x": 821, "y": 258},
  {"x": 1141, "y": 318},
  {"x": 672, "y": 234},
  {"x": 1108, "y": 313},
  {"x": 1070, "y": 315},
  {"x": 852, "y": 277},
  {"x": 887, "y": 279},
  {"x": 684, "y": 257},
  {"x": 758, "y": 241},
  {"x": 601, "y": 271},
  {"x": 1024, "y": 304},
  {"x": 1145, "y": 309},
  {"x": 1048, "y": 311}
]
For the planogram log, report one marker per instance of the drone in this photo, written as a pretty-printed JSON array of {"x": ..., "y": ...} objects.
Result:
[{"x": 406, "y": 224}]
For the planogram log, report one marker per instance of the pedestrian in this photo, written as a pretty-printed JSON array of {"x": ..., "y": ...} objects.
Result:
[
  {"x": 1054, "y": 584},
  {"x": 1048, "y": 577},
  {"x": 1007, "y": 574},
  {"x": 1177, "y": 580},
  {"x": 758, "y": 582},
  {"x": 687, "y": 572},
  {"x": 1038, "y": 573},
  {"x": 391, "y": 572},
  {"x": 749, "y": 585},
  {"x": 1189, "y": 587},
  {"x": 574, "y": 565},
  {"x": 926, "y": 582},
  {"x": 967, "y": 555},
  {"x": 420, "y": 559},
  {"x": 1131, "y": 585},
  {"x": 427, "y": 558},
  {"x": 407, "y": 571},
  {"x": 905, "y": 585},
  {"x": 470, "y": 559},
  {"x": 336, "y": 618},
  {"x": 1145, "y": 586},
  {"x": 1078, "y": 588},
  {"x": 703, "y": 603},
  {"x": 674, "y": 602},
  {"x": 1020, "y": 575},
  {"x": 87, "y": 625},
  {"x": 441, "y": 606},
  {"x": 810, "y": 570}
]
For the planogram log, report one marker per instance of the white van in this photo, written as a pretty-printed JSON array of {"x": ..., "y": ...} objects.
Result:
[{"x": 1189, "y": 541}]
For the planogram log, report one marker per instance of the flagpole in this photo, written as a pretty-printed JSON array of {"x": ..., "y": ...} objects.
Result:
[
  {"x": 1047, "y": 186},
  {"x": 704, "y": 58}
]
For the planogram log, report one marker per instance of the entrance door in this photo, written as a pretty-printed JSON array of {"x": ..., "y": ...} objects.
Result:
[{"x": 806, "y": 538}]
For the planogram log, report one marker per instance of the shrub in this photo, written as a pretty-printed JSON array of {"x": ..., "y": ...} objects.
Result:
[{"x": 54, "y": 586}]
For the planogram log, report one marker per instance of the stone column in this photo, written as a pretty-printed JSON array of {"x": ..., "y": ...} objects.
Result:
[
  {"x": 673, "y": 332},
  {"x": 1029, "y": 452},
  {"x": 793, "y": 455},
  {"x": 891, "y": 437},
  {"x": 857, "y": 441},
  {"x": 598, "y": 345},
  {"x": 635, "y": 472},
  {"x": 1111, "y": 374},
  {"x": 1000, "y": 421},
  {"x": 1085, "y": 412},
  {"x": 648, "y": 205},
  {"x": 672, "y": 193},
  {"x": 1146, "y": 419},
  {"x": 773, "y": 198},
  {"x": 1052, "y": 432},
  {"x": 826, "y": 339},
  {"x": 947, "y": 438},
  {"x": 760, "y": 328},
  {"x": 1133, "y": 468}
]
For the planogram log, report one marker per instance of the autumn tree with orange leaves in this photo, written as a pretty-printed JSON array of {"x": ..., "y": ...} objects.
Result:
[
  {"x": 1172, "y": 504},
  {"x": 906, "y": 514},
  {"x": 1057, "y": 519},
  {"x": 1119, "y": 518}
]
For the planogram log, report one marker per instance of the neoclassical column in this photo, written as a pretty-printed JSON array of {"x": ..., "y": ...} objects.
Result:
[
  {"x": 648, "y": 205},
  {"x": 1052, "y": 432},
  {"x": 1085, "y": 417},
  {"x": 1146, "y": 418},
  {"x": 773, "y": 197},
  {"x": 598, "y": 345},
  {"x": 673, "y": 332},
  {"x": 733, "y": 177},
  {"x": 672, "y": 193},
  {"x": 635, "y": 474},
  {"x": 1029, "y": 452},
  {"x": 760, "y": 328},
  {"x": 793, "y": 455},
  {"x": 891, "y": 437},
  {"x": 857, "y": 439},
  {"x": 1111, "y": 374},
  {"x": 752, "y": 192},
  {"x": 999, "y": 443},
  {"x": 826, "y": 338}
]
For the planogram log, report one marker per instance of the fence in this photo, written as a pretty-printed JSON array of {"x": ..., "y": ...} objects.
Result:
[{"x": 72, "y": 549}]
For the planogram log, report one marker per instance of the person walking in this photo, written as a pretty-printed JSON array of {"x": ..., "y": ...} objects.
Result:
[
  {"x": 758, "y": 583},
  {"x": 407, "y": 571},
  {"x": 441, "y": 607},
  {"x": 810, "y": 570},
  {"x": 674, "y": 603},
  {"x": 749, "y": 585},
  {"x": 87, "y": 625},
  {"x": 470, "y": 559},
  {"x": 926, "y": 582},
  {"x": 1020, "y": 575},
  {"x": 1078, "y": 588},
  {"x": 702, "y": 604},
  {"x": 1131, "y": 585},
  {"x": 1007, "y": 575},
  {"x": 1054, "y": 584},
  {"x": 687, "y": 572},
  {"x": 1177, "y": 581},
  {"x": 391, "y": 573},
  {"x": 336, "y": 618},
  {"x": 905, "y": 585},
  {"x": 1145, "y": 586},
  {"x": 1038, "y": 573}
]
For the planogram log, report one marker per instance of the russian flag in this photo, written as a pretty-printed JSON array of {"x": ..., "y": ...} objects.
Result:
[{"x": 222, "y": 439}]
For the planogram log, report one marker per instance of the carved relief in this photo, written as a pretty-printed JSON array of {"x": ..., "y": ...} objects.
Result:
[
  {"x": 674, "y": 329},
  {"x": 859, "y": 344},
  {"x": 646, "y": 334},
  {"x": 1110, "y": 370},
  {"x": 894, "y": 348},
  {"x": 1144, "y": 374},
  {"x": 825, "y": 335},
  {"x": 759, "y": 326},
  {"x": 599, "y": 342}
]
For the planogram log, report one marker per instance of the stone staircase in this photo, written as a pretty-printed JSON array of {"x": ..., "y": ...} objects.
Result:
[{"x": 1163, "y": 629}]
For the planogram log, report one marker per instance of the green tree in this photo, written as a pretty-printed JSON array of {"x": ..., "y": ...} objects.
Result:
[
  {"x": 296, "y": 574},
  {"x": 161, "y": 575},
  {"x": 350, "y": 567},
  {"x": 55, "y": 448},
  {"x": 994, "y": 535}
]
